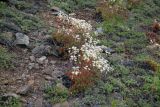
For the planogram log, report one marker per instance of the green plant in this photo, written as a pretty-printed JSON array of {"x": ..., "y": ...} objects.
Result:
[
  {"x": 56, "y": 94},
  {"x": 25, "y": 21},
  {"x": 111, "y": 10},
  {"x": 142, "y": 57},
  {"x": 122, "y": 69},
  {"x": 92, "y": 100},
  {"x": 71, "y": 5},
  {"x": 5, "y": 58},
  {"x": 9, "y": 102},
  {"x": 108, "y": 88}
]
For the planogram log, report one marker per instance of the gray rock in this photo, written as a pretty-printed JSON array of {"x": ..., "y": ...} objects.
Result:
[
  {"x": 11, "y": 95},
  {"x": 55, "y": 10},
  {"x": 36, "y": 66},
  {"x": 31, "y": 65},
  {"x": 52, "y": 62},
  {"x": 65, "y": 104},
  {"x": 128, "y": 63},
  {"x": 45, "y": 49},
  {"x": 99, "y": 31},
  {"x": 25, "y": 89},
  {"x": 107, "y": 49},
  {"x": 32, "y": 58},
  {"x": 29, "y": 104},
  {"x": 41, "y": 60},
  {"x": 21, "y": 39},
  {"x": 49, "y": 78},
  {"x": 41, "y": 50}
]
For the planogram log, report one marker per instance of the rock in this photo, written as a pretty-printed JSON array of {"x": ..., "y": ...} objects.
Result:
[
  {"x": 55, "y": 10},
  {"x": 36, "y": 66},
  {"x": 72, "y": 14},
  {"x": 21, "y": 39},
  {"x": 107, "y": 49},
  {"x": 52, "y": 62},
  {"x": 32, "y": 58},
  {"x": 99, "y": 31},
  {"x": 41, "y": 60},
  {"x": 128, "y": 63},
  {"x": 11, "y": 95},
  {"x": 42, "y": 50},
  {"x": 25, "y": 89},
  {"x": 47, "y": 77},
  {"x": 57, "y": 105},
  {"x": 65, "y": 104},
  {"x": 31, "y": 65},
  {"x": 29, "y": 104},
  {"x": 46, "y": 61}
]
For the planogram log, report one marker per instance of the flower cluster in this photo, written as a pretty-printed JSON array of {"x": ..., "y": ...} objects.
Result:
[
  {"x": 74, "y": 36},
  {"x": 88, "y": 49}
]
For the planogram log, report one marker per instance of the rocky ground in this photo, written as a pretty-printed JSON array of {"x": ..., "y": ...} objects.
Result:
[{"x": 26, "y": 30}]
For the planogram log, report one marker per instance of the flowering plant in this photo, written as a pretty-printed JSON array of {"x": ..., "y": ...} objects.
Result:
[{"x": 83, "y": 52}]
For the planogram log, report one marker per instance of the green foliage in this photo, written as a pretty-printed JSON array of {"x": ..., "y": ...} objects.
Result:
[
  {"x": 108, "y": 88},
  {"x": 71, "y": 5},
  {"x": 142, "y": 57},
  {"x": 92, "y": 100},
  {"x": 9, "y": 102},
  {"x": 122, "y": 69},
  {"x": 5, "y": 58},
  {"x": 56, "y": 94},
  {"x": 105, "y": 42},
  {"x": 112, "y": 25},
  {"x": 24, "y": 21}
]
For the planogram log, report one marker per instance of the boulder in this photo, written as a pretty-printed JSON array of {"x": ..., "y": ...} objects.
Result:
[{"x": 21, "y": 39}]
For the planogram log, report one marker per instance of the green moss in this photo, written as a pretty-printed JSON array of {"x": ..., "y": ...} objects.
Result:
[
  {"x": 142, "y": 57},
  {"x": 10, "y": 102},
  {"x": 25, "y": 21},
  {"x": 122, "y": 69},
  {"x": 56, "y": 94},
  {"x": 92, "y": 100},
  {"x": 108, "y": 88},
  {"x": 5, "y": 58},
  {"x": 71, "y": 5},
  {"x": 105, "y": 42}
]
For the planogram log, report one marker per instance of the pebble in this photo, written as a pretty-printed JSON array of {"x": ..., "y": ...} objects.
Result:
[
  {"x": 52, "y": 62},
  {"x": 41, "y": 59},
  {"x": 31, "y": 65},
  {"x": 32, "y": 58},
  {"x": 36, "y": 66}
]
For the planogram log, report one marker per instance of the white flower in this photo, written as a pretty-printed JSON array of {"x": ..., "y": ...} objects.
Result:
[{"x": 89, "y": 49}]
